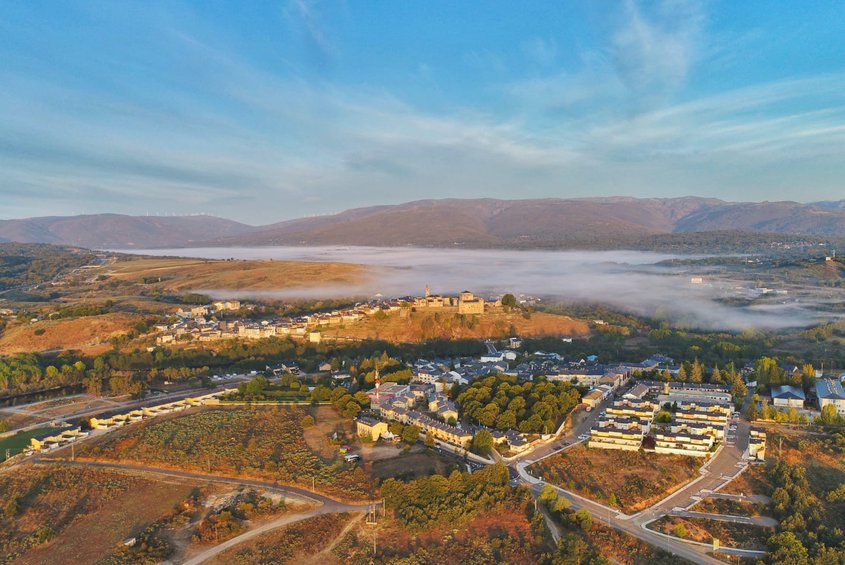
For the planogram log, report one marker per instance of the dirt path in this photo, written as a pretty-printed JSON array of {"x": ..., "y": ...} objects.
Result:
[
  {"x": 268, "y": 527},
  {"x": 326, "y": 553}
]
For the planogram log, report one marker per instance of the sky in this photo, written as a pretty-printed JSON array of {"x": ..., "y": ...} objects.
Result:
[{"x": 266, "y": 111}]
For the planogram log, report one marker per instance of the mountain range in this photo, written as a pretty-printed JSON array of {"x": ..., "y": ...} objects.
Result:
[{"x": 483, "y": 222}]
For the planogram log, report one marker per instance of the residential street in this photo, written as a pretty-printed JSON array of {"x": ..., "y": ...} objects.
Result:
[{"x": 723, "y": 466}]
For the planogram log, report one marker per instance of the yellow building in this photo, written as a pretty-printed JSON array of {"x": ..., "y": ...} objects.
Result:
[
  {"x": 468, "y": 303},
  {"x": 366, "y": 426}
]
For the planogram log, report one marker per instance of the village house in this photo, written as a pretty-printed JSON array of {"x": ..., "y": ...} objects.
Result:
[
  {"x": 757, "y": 444},
  {"x": 787, "y": 396},
  {"x": 367, "y": 426},
  {"x": 830, "y": 391}
]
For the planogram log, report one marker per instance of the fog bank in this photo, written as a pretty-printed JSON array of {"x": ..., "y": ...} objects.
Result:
[{"x": 628, "y": 280}]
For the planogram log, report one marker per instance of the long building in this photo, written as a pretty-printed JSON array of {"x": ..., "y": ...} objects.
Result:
[
  {"x": 830, "y": 391},
  {"x": 683, "y": 440}
]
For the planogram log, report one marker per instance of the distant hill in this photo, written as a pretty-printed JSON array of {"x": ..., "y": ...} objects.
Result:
[
  {"x": 485, "y": 222},
  {"x": 119, "y": 231},
  {"x": 544, "y": 222}
]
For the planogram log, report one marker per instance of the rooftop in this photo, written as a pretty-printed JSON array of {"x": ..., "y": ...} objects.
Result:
[
  {"x": 829, "y": 389},
  {"x": 788, "y": 392}
]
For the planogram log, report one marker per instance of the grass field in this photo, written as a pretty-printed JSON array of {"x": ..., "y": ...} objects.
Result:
[
  {"x": 262, "y": 442},
  {"x": 422, "y": 326},
  {"x": 77, "y": 515},
  {"x": 18, "y": 442},
  {"x": 637, "y": 479},
  {"x": 729, "y": 534},
  {"x": 89, "y": 334},
  {"x": 182, "y": 274}
]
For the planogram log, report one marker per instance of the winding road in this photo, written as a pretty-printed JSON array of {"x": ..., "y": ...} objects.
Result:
[{"x": 725, "y": 465}]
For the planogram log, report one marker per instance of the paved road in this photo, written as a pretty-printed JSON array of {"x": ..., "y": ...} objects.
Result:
[
  {"x": 694, "y": 553},
  {"x": 752, "y": 498},
  {"x": 765, "y": 521},
  {"x": 721, "y": 468}
]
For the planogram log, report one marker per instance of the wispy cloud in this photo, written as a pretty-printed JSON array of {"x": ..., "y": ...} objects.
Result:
[
  {"x": 653, "y": 55},
  {"x": 214, "y": 129}
]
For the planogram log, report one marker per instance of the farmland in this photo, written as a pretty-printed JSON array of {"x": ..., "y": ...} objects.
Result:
[
  {"x": 636, "y": 479},
  {"x": 263, "y": 443}
]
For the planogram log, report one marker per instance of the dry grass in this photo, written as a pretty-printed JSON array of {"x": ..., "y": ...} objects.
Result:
[
  {"x": 318, "y": 437},
  {"x": 752, "y": 481},
  {"x": 89, "y": 334},
  {"x": 636, "y": 478},
  {"x": 422, "y": 326},
  {"x": 90, "y": 510},
  {"x": 730, "y": 507},
  {"x": 412, "y": 465},
  {"x": 287, "y": 545},
  {"x": 178, "y": 274},
  {"x": 729, "y": 534}
]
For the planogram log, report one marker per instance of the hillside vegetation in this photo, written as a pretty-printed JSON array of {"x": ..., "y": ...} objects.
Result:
[{"x": 414, "y": 327}]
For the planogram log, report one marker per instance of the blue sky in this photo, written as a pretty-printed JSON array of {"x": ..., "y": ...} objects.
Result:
[{"x": 264, "y": 111}]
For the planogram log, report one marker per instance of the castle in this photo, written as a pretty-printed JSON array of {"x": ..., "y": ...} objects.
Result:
[{"x": 466, "y": 302}]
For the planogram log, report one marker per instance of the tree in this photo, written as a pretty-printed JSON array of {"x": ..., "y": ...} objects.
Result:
[
  {"x": 584, "y": 519},
  {"x": 429, "y": 440},
  {"x": 682, "y": 374},
  {"x": 548, "y": 493},
  {"x": 751, "y": 413},
  {"x": 4, "y": 425},
  {"x": 786, "y": 549},
  {"x": 716, "y": 376},
  {"x": 410, "y": 434},
  {"x": 680, "y": 531},
  {"x": 482, "y": 442},
  {"x": 697, "y": 374},
  {"x": 829, "y": 415},
  {"x": 509, "y": 301},
  {"x": 663, "y": 417}
]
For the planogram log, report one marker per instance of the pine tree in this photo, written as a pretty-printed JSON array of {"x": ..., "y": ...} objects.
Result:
[
  {"x": 682, "y": 374},
  {"x": 697, "y": 374},
  {"x": 716, "y": 377}
]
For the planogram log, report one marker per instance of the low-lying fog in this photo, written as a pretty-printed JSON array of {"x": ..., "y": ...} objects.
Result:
[{"x": 629, "y": 280}]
